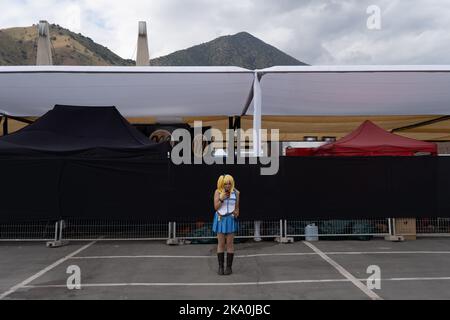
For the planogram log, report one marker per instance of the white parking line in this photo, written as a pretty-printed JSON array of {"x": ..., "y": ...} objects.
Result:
[
  {"x": 141, "y": 257},
  {"x": 385, "y": 252},
  {"x": 372, "y": 295},
  {"x": 419, "y": 279},
  {"x": 259, "y": 255},
  {"x": 194, "y": 257},
  {"x": 223, "y": 284},
  {"x": 188, "y": 284},
  {"x": 43, "y": 271}
]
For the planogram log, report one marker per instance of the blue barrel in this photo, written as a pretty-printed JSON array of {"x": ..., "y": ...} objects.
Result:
[{"x": 311, "y": 232}]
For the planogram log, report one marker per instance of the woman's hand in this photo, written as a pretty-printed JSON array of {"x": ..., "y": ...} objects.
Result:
[
  {"x": 219, "y": 198},
  {"x": 236, "y": 213},
  {"x": 223, "y": 196}
]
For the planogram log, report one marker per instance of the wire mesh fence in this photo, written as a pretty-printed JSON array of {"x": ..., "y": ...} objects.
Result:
[
  {"x": 74, "y": 229},
  {"x": 201, "y": 231},
  {"x": 28, "y": 231},
  {"x": 433, "y": 227},
  {"x": 246, "y": 230},
  {"x": 358, "y": 228}
]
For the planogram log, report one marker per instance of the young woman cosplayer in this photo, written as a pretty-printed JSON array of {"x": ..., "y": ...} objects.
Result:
[{"x": 226, "y": 204}]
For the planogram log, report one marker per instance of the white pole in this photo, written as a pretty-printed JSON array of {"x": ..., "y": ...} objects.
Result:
[
  {"x": 142, "y": 55},
  {"x": 257, "y": 105},
  {"x": 44, "y": 51},
  {"x": 257, "y": 235}
]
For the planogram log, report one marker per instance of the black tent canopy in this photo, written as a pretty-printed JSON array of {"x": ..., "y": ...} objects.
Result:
[
  {"x": 80, "y": 162},
  {"x": 76, "y": 130}
]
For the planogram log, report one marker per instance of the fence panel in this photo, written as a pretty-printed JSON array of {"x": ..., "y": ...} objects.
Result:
[
  {"x": 340, "y": 228},
  {"x": 439, "y": 227},
  {"x": 89, "y": 229},
  {"x": 28, "y": 231},
  {"x": 74, "y": 229},
  {"x": 246, "y": 230}
]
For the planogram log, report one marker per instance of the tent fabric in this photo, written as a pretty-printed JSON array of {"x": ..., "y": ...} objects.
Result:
[
  {"x": 123, "y": 189},
  {"x": 75, "y": 130},
  {"x": 300, "y": 152},
  {"x": 371, "y": 140},
  {"x": 226, "y": 91},
  {"x": 297, "y": 128},
  {"x": 135, "y": 91},
  {"x": 355, "y": 90}
]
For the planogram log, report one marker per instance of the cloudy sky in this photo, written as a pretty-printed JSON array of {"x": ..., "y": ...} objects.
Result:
[{"x": 319, "y": 32}]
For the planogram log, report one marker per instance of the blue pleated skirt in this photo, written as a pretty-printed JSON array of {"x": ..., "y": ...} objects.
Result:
[{"x": 226, "y": 225}]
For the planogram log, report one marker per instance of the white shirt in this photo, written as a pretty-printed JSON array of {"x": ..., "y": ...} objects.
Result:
[{"x": 228, "y": 205}]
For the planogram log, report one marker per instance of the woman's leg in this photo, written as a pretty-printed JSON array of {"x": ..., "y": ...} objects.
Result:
[
  {"x": 230, "y": 243},
  {"x": 221, "y": 243},
  {"x": 220, "y": 252},
  {"x": 230, "y": 253}
]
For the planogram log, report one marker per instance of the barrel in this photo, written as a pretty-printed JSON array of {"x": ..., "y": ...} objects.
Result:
[{"x": 311, "y": 232}]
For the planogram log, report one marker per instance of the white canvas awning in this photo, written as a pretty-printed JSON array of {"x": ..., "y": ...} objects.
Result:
[
  {"x": 355, "y": 90},
  {"x": 224, "y": 91},
  {"x": 135, "y": 91},
  {"x": 230, "y": 91}
]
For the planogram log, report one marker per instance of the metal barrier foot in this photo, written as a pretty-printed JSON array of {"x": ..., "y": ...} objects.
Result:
[
  {"x": 284, "y": 240},
  {"x": 395, "y": 238},
  {"x": 57, "y": 244},
  {"x": 177, "y": 242}
]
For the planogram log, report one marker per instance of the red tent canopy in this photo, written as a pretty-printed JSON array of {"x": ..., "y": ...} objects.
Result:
[
  {"x": 371, "y": 140},
  {"x": 300, "y": 152}
]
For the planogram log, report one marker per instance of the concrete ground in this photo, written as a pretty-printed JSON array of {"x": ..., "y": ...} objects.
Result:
[{"x": 327, "y": 270}]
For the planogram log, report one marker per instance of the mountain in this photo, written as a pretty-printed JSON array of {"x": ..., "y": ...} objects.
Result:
[
  {"x": 242, "y": 50},
  {"x": 18, "y": 47}
]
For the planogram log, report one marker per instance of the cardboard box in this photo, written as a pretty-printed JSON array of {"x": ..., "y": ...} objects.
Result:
[{"x": 406, "y": 228}]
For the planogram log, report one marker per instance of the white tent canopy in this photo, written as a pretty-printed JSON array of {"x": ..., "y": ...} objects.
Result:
[
  {"x": 224, "y": 91},
  {"x": 355, "y": 90},
  {"x": 135, "y": 91},
  {"x": 349, "y": 90}
]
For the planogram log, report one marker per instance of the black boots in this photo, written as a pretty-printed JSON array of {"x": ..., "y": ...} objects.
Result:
[
  {"x": 221, "y": 258},
  {"x": 228, "y": 270}
]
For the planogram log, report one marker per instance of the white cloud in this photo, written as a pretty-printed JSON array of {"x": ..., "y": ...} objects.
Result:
[
  {"x": 317, "y": 32},
  {"x": 72, "y": 14}
]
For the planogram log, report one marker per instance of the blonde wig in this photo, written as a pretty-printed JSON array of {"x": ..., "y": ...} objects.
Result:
[{"x": 223, "y": 180}]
